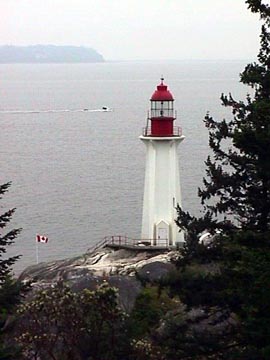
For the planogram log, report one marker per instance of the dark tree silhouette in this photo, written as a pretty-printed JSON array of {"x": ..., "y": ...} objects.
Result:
[
  {"x": 237, "y": 186},
  {"x": 236, "y": 200},
  {"x": 10, "y": 289}
]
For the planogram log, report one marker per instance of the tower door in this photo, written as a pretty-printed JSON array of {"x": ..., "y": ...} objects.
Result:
[{"x": 162, "y": 235}]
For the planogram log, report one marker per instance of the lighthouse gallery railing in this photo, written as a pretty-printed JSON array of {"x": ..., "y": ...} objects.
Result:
[{"x": 177, "y": 131}]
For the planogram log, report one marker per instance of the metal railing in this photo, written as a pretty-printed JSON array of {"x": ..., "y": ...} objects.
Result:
[
  {"x": 122, "y": 240},
  {"x": 177, "y": 131},
  {"x": 100, "y": 244}
]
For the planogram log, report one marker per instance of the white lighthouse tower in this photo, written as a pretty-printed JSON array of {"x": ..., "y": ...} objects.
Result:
[{"x": 162, "y": 180}]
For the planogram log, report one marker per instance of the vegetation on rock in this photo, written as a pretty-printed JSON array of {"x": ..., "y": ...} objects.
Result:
[{"x": 61, "y": 324}]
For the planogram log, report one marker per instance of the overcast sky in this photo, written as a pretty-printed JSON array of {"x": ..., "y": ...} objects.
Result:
[{"x": 135, "y": 29}]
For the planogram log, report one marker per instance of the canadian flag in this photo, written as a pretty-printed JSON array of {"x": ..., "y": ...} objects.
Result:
[{"x": 42, "y": 239}]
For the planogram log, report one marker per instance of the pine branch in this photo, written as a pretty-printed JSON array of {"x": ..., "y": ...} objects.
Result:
[
  {"x": 256, "y": 6},
  {"x": 6, "y": 217},
  {"x": 4, "y": 188}
]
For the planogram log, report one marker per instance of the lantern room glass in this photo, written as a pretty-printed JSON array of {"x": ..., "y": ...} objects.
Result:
[{"x": 162, "y": 109}]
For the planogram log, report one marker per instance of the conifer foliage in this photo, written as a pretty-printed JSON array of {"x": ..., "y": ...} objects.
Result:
[
  {"x": 10, "y": 289},
  {"x": 6, "y": 239},
  {"x": 235, "y": 267},
  {"x": 237, "y": 185}
]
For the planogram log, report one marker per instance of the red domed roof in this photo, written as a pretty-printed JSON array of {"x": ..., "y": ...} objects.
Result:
[{"x": 162, "y": 93}]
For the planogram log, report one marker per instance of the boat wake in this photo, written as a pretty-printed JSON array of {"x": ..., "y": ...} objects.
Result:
[{"x": 103, "y": 109}]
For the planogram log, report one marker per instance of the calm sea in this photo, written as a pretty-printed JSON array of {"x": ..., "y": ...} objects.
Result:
[{"x": 78, "y": 176}]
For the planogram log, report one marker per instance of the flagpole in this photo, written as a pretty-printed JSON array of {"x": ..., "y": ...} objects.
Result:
[{"x": 37, "y": 251}]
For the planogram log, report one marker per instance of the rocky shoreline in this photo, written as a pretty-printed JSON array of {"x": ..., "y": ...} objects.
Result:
[
  {"x": 120, "y": 268},
  {"x": 124, "y": 269}
]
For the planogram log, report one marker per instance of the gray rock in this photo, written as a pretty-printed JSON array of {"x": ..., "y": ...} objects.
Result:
[
  {"x": 198, "y": 325},
  {"x": 155, "y": 271},
  {"x": 117, "y": 267}
]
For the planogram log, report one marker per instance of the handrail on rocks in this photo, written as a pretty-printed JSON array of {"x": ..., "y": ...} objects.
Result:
[
  {"x": 97, "y": 246},
  {"x": 108, "y": 240}
]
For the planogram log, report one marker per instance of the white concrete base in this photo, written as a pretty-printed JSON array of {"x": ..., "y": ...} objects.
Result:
[{"x": 161, "y": 191}]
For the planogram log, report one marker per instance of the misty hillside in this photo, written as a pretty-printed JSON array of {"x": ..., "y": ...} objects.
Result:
[{"x": 48, "y": 54}]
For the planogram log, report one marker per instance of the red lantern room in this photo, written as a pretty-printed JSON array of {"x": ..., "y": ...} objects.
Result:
[{"x": 162, "y": 114}]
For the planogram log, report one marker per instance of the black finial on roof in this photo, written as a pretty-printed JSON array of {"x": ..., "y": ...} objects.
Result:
[{"x": 162, "y": 78}]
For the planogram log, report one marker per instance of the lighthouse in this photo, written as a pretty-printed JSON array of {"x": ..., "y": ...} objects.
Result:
[{"x": 162, "y": 179}]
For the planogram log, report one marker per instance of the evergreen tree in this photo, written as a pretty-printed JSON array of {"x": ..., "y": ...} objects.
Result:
[
  {"x": 237, "y": 186},
  {"x": 10, "y": 289},
  {"x": 6, "y": 239},
  {"x": 236, "y": 200}
]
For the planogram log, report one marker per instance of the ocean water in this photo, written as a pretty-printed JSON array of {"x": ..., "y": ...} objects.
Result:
[{"x": 77, "y": 176}]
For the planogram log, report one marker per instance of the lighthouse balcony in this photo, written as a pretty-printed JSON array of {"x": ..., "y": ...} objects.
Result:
[{"x": 149, "y": 131}]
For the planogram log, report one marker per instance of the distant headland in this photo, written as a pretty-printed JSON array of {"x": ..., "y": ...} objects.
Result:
[{"x": 48, "y": 54}]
